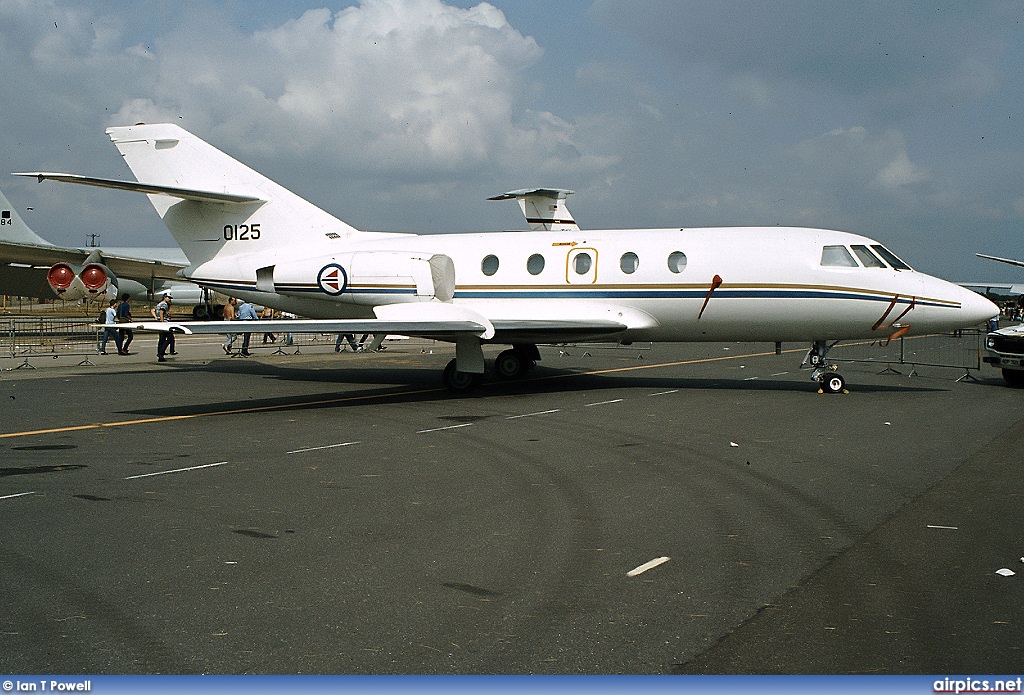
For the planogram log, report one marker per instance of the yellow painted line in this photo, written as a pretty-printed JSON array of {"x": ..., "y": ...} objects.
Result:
[{"x": 193, "y": 416}]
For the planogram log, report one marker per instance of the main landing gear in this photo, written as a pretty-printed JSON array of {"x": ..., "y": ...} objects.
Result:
[
  {"x": 824, "y": 371},
  {"x": 509, "y": 364}
]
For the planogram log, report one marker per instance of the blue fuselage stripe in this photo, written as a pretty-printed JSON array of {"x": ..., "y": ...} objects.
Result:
[{"x": 603, "y": 293}]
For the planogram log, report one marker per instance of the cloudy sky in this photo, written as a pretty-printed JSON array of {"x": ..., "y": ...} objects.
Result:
[{"x": 898, "y": 120}]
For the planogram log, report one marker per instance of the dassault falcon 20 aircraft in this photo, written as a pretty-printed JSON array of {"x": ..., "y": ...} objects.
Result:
[{"x": 249, "y": 237}]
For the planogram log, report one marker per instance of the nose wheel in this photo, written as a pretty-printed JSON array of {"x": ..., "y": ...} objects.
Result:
[
  {"x": 830, "y": 380},
  {"x": 833, "y": 383}
]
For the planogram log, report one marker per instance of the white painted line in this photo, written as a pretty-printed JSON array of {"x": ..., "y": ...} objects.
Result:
[
  {"x": 617, "y": 400},
  {"x": 176, "y": 470},
  {"x": 949, "y": 528},
  {"x": 647, "y": 566},
  {"x": 779, "y": 373},
  {"x": 18, "y": 494},
  {"x": 543, "y": 412},
  {"x": 752, "y": 378},
  {"x": 449, "y": 427},
  {"x": 319, "y": 448},
  {"x": 664, "y": 393}
]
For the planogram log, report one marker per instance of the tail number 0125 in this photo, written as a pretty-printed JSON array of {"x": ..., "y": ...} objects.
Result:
[{"x": 241, "y": 232}]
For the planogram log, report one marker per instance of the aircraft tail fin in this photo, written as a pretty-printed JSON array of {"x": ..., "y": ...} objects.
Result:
[
  {"x": 14, "y": 229},
  {"x": 214, "y": 205},
  {"x": 544, "y": 208}
]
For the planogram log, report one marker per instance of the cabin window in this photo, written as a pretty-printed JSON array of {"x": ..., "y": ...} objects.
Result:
[
  {"x": 535, "y": 264},
  {"x": 837, "y": 256},
  {"x": 629, "y": 263},
  {"x": 489, "y": 265},
  {"x": 867, "y": 259},
  {"x": 582, "y": 263},
  {"x": 677, "y": 261},
  {"x": 890, "y": 257}
]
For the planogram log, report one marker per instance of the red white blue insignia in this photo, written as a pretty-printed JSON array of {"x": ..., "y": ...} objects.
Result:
[{"x": 332, "y": 279}]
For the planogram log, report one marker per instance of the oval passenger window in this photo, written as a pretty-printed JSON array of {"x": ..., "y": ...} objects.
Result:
[
  {"x": 582, "y": 263},
  {"x": 629, "y": 263},
  {"x": 677, "y": 261},
  {"x": 535, "y": 264}
]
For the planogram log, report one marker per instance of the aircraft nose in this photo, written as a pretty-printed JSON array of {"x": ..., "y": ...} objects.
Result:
[{"x": 976, "y": 309}]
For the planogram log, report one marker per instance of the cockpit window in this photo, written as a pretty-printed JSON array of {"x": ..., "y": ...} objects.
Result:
[
  {"x": 890, "y": 257},
  {"x": 867, "y": 259},
  {"x": 837, "y": 256}
]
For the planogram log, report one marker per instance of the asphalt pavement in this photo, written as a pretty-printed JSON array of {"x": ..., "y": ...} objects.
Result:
[{"x": 640, "y": 510}]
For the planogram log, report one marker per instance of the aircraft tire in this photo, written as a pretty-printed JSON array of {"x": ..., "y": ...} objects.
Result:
[
  {"x": 459, "y": 382},
  {"x": 833, "y": 383},
  {"x": 508, "y": 365}
]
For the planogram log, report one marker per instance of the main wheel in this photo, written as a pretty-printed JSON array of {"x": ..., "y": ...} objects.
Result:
[
  {"x": 833, "y": 383},
  {"x": 459, "y": 382},
  {"x": 508, "y": 365}
]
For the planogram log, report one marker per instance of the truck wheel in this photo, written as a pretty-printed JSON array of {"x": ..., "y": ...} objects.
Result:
[{"x": 1014, "y": 378}]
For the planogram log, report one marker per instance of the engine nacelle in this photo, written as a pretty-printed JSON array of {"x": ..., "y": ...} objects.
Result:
[
  {"x": 371, "y": 278},
  {"x": 93, "y": 281}
]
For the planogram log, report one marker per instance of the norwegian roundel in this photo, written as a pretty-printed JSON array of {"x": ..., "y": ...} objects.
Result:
[{"x": 332, "y": 279}]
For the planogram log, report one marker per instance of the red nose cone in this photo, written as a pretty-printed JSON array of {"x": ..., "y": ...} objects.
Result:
[
  {"x": 94, "y": 277},
  {"x": 60, "y": 276}
]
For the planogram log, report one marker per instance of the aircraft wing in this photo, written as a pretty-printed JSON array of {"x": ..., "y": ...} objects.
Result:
[
  {"x": 1010, "y": 261},
  {"x": 436, "y": 329},
  {"x": 1001, "y": 287},
  {"x": 122, "y": 266}
]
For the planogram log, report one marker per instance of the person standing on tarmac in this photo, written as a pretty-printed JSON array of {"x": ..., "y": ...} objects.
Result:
[
  {"x": 228, "y": 314},
  {"x": 124, "y": 315},
  {"x": 161, "y": 312},
  {"x": 246, "y": 312},
  {"x": 110, "y": 319}
]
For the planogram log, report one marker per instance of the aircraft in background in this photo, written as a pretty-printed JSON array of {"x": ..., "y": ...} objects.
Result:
[
  {"x": 1007, "y": 288},
  {"x": 249, "y": 237},
  {"x": 30, "y": 266},
  {"x": 544, "y": 208}
]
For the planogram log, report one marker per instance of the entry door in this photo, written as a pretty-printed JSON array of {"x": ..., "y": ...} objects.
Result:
[{"x": 581, "y": 266}]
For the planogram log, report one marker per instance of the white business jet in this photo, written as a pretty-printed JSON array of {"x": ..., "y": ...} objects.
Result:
[{"x": 248, "y": 237}]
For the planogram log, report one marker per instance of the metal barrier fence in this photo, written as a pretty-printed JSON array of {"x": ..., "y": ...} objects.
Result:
[
  {"x": 27, "y": 337},
  {"x": 956, "y": 350},
  {"x": 33, "y": 337}
]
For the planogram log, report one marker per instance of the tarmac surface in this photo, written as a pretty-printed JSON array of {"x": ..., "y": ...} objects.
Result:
[{"x": 342, "y": 513}]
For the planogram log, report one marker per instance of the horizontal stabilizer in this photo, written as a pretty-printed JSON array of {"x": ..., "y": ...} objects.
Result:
[{"x": 183, "y": 193}]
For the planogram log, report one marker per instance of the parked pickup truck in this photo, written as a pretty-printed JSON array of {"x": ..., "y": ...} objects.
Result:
[{"x": 1006, "y": 351}]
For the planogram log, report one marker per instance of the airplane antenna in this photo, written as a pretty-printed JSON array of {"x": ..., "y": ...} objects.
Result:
[{"x": 94, "y": 240}]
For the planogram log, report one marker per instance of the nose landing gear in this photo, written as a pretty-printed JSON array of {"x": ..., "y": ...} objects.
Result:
[{"x": 825, "y": 372}]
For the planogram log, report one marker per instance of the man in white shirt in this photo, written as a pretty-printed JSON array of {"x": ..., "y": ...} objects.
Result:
[{"x": 110, "y": 319}]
